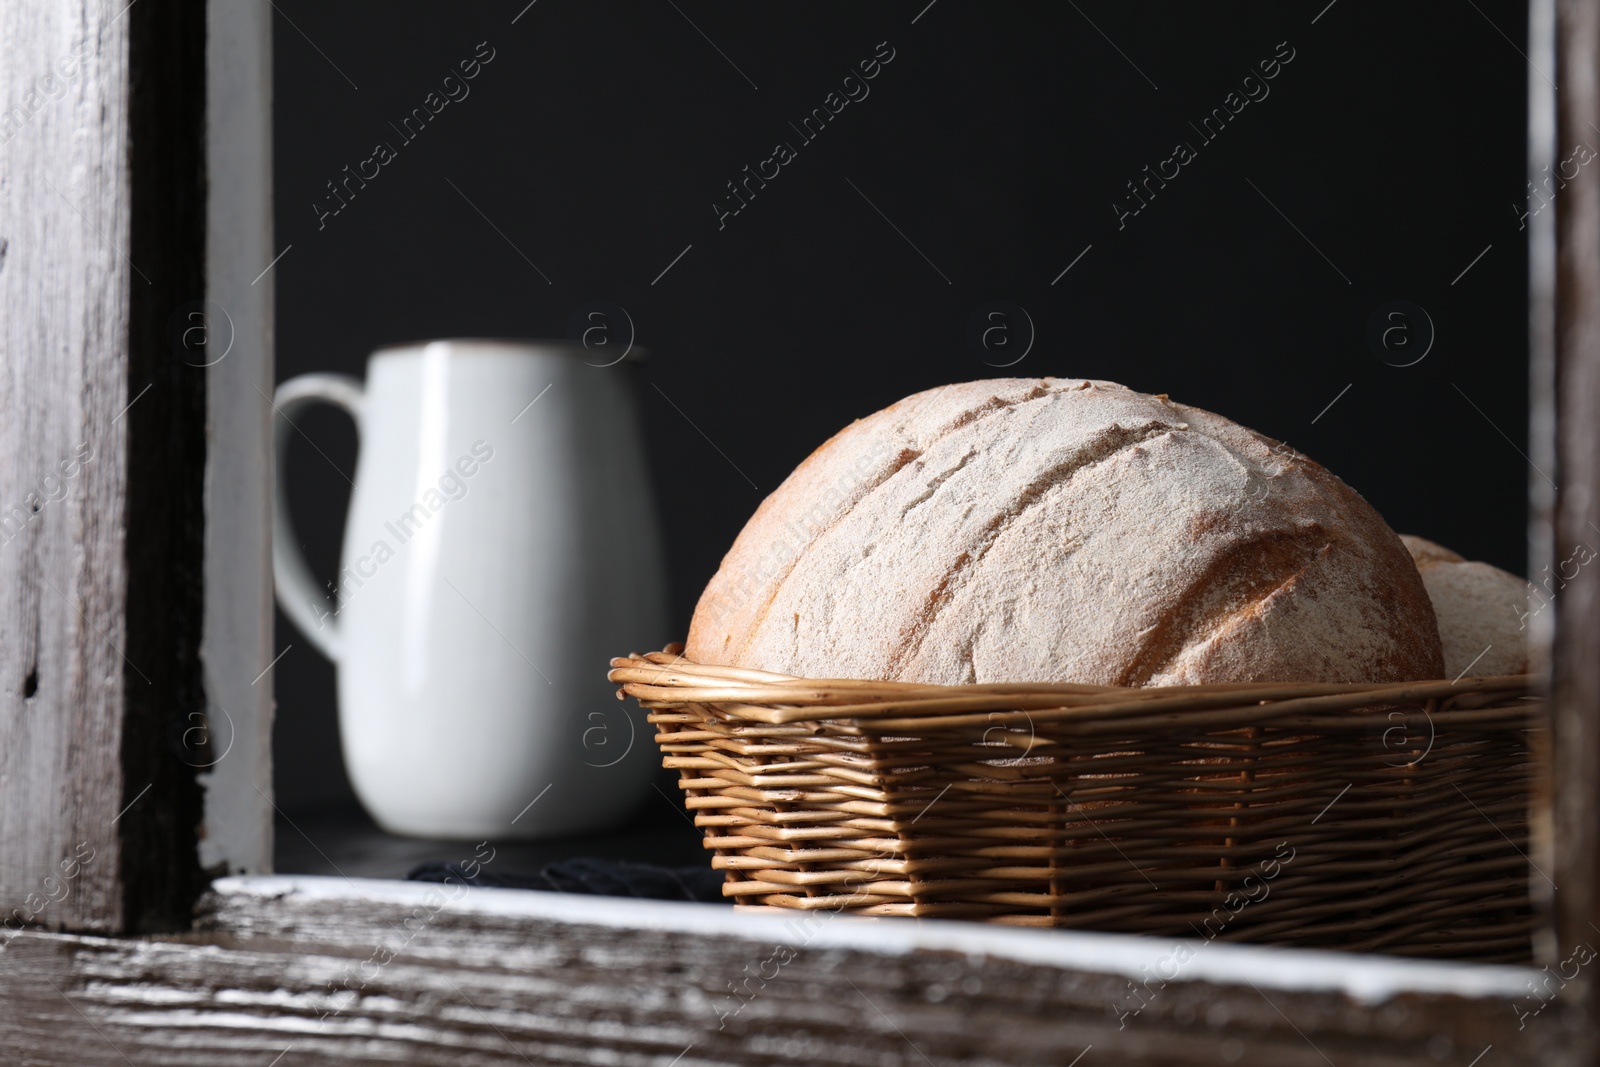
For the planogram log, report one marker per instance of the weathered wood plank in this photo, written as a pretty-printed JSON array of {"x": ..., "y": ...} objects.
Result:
[
  {"x": 65, "y": 297},
  {"x": 101, "y": 230},
  {"x": 1565, "y": 255},
  {"x": 397, "y": 973}
]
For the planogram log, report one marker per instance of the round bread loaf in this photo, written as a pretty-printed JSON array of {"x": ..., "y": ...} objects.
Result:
[
  {"x": 1052, "y": 529},
  {"x": 1480, "y": 608}
]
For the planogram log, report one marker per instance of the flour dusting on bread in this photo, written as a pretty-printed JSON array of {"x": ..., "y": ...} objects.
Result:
[{"x": 1065, "y": 530}]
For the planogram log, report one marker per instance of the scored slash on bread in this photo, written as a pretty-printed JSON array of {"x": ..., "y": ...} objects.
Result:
[{"x": 1017, "y": 530}]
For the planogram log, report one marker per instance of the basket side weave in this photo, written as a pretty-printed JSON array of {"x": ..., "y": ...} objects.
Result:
[{"x": 1370, "y": 818}]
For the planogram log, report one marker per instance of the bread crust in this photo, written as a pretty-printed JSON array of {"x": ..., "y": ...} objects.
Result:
[
  {"x": 1065, "y": 530},
  {"x": 1480, "y": 608}
]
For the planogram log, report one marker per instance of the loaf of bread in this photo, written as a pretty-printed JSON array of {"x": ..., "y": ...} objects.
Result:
[
  {"x": 1480, "y": 609},
  {"x": 1021, "y": 530}
]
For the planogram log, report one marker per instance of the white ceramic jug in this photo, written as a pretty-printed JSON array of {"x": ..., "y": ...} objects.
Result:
[{"x": 501, "y": 546}]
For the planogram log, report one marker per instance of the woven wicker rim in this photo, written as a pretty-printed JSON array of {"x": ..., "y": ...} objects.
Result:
[{"x": 666, "y": 678}]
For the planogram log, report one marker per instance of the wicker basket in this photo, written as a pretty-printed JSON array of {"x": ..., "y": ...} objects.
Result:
[{"x": 1382, "y": 818}]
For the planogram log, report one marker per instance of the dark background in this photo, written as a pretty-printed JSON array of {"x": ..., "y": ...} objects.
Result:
[{"x": 995, "y": 143}]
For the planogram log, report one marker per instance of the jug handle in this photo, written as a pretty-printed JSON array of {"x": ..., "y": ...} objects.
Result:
[{"x": 301, "y": 599}]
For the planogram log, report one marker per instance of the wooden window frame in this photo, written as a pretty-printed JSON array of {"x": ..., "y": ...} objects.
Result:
[{"x": 140, "y": 620}]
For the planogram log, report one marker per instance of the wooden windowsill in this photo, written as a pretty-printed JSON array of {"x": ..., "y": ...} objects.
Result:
[
  {"x": 1362, "y": 977},
  {"x": 350, "y": 970}
]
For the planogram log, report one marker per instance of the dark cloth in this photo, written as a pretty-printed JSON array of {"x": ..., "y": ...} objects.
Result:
[{"x": 604, "y": 878}]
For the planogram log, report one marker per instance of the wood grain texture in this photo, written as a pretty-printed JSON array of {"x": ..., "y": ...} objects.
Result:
[
  {"x": 1575, "y": 518},
  {"x": 100, "y": 230},
  {"x": 506, "y": 978},
  {"x": 63, "y": 285}
]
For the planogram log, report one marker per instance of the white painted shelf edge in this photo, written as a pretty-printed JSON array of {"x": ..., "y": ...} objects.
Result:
[{"x": 1365, "y": 978}]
